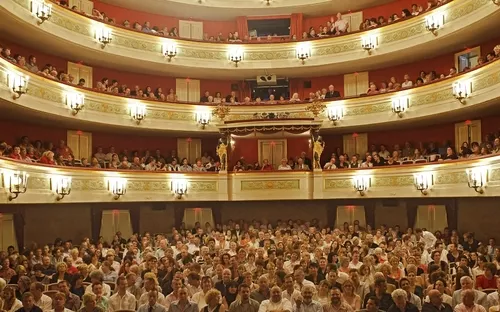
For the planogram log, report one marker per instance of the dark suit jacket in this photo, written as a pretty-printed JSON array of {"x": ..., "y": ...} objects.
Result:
[
  {"x": 334, "y": 94},
  {"x": 429, "y": 307}
]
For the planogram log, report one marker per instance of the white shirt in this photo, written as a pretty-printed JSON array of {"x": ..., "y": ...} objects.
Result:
[
  {"x": 45, "y": 303},
  {"x": 355, "y": 265},
  {"x": 289, "y": 297},
  {"x": 268, "y": 305},
  {"x": 144, "y": 299},
  {"x": 304, "y": 283},
  {"x": 65, "y": 310},
  {"x": 407, "y": 84},
  {"x": 285, "y": 167},
  {"x": 341, "y": 25},
  {"x": 199, "y": 299},
  {"x": 127, "y": 302},
  {"x": 429, "y": 239}
]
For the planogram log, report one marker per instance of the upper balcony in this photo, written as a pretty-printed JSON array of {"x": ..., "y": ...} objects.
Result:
[
  {"x": 70, "y": 34},
  {"x": 459, "y": 96}
]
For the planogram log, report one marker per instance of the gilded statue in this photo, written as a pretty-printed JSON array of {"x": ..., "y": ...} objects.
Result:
[
  {"x": 221, "y": 151},
  {"x": 318, "y": 147}
]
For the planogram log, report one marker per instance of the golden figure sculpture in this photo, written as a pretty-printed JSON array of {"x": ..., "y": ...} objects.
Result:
[
  {"x": 221, "y": 151},
  {"x": 318, "y": 147}
]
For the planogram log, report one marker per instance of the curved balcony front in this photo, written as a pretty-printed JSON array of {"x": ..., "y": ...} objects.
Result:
[
  {"x": 70, "y": 34},
  {"x": 449, "y": 179},
  {"x": 431, "y": 102}
]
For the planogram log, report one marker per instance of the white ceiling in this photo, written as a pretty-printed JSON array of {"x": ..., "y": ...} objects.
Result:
[{"x": 223, "y": 10}]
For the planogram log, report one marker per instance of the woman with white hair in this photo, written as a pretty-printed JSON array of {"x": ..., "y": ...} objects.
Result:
[{"x": 401, "y": 304}]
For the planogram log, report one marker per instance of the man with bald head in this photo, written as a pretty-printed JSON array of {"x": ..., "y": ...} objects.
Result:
[
  {"x": 436, "y": 303},
  {"x": 468, "y": 303},
  {"x": 276, "y": 302}
]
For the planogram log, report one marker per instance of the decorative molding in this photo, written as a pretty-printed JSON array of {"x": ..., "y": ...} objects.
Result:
[{"x": 270, "y": 185}]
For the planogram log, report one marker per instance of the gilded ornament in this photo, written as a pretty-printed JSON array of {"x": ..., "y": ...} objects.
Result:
[
  {"x": 221, "y": 111},
  {"x": 316, "y": 108}
]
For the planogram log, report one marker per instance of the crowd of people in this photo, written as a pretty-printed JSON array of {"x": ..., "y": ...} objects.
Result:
[
  {"x": 62, "y": 155},
  {"x": 289, "y": 266},
  {"x": 335, "y": 26},
  {"x": 113, "y": 86}
]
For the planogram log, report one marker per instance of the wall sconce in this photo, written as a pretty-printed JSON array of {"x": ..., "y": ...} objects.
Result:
[
  {"x": 179, "y": 187},
  {"x": 434, "y": 22},
  {"x": 236, "y": 55},
  {"x": 497, "y": 2},
  {"x": 61, "y": 185},
  {"x": 17, "y": 83},
  {"x": 267, "y": 2},
  {"x": 303, "y": 52},
  {"x": 202, "y": 117},
  {"x": 462, "y": 90},
  {"x": 335, "y": 113},
  {"x": 75, "y": 101},
  {"x": 423, "y": 181},
  {"x": 477, "y": 178},
  {"x": 137, "y": 112},
  {"x": 361, "y": 184},
  {"x": 16, "y": 182},
  {"x": 103, "y": 36},
  {"x": 169, "y": 49},
  {"x": 41, "y": 10},
  {"x": 368, "y": 43},
  {"x": 117, "y": 187},
  {"x": 400, "y": 105}
]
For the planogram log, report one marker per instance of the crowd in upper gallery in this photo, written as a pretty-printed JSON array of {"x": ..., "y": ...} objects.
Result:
[
  {"x": 113, "y": 86},
  {"x": 292, "y": 266},
  {"x": 337, "y": 25},
  {"x": 377, "y": 156}
]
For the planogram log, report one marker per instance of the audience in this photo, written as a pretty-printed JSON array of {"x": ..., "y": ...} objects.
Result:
[
  {"x": 240, "y": 266},
  {"x": 113, "y": 86}
]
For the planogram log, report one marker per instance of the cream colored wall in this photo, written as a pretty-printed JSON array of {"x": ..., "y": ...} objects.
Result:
[
  {"x": 272, "y": 211},
  {"x": 156, "y": 221},
  {"x": 44, "y": 223},
  {"x": 391, "y": 215}
]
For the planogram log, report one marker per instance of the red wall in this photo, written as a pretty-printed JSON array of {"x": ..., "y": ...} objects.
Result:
[
  {"x": 384, "y": 10},
  {"x": 120, "y": 14}
]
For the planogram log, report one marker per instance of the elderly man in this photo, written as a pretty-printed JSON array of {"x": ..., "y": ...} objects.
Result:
[
  {"x": 336, "y": 303},
  {"x": 300, "y": 280},
  {"x": 304, "y": 302},
  {"x": 401, "y": 303},
  {"x": 223, "y": 285},
  {"x": 244, "y": 303},
  {"x": 468, "y": 302},
  {"x": 467, "y": 284},
  {"x": 436, "y": 303},
  {"x": 276, "y": 302},
  {"x": 262, "y": 293}
]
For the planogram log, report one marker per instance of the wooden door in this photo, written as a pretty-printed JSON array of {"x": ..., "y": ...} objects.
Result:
[
  {"x": 80, "y": 143},
  {"x": 7, "y": 232},
  {"x": 193, "y": 90},
  {"x": 181, "y": 89},
  {"x": 185, "y": 29},
  {"x": 197, "y": 30},
  {"x": 189, "y": 148},
  {"x": 467, "y": 133},
  {"x": 273, "y": 151},
  {"x": 355, "y": 145}
]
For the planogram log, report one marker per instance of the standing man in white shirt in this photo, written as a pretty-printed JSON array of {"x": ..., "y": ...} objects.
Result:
[
  {"x": 122, "y": 299},
  {"x": 341, "y": 24}
]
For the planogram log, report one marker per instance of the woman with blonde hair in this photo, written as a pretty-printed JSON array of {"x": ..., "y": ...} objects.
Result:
[
  {"x": 213, "y": 299},
  {"x": 89, "y": 302},
  {"x": 350, "y": 297},
  {"x": 61, "y": 273}
]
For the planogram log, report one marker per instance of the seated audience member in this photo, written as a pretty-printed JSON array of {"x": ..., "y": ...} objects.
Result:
[
  {"x": 354, "y": 162},
  {"x": 331, "y": 164},
  {"x": 469, "y": 302},
  {"x": 407, "y": 83},
  {"x": 436, "y": 303},
  {"x": 450, "y": 154},
  {"x": 301, "y": 165},
  {"x": 266, "y": 166},
  {"x": 239, "y": 166},
  {"x": 284, "y": 165},
  {"x": 332, "y": 93},
  {"x": 198, "y": 166}
]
